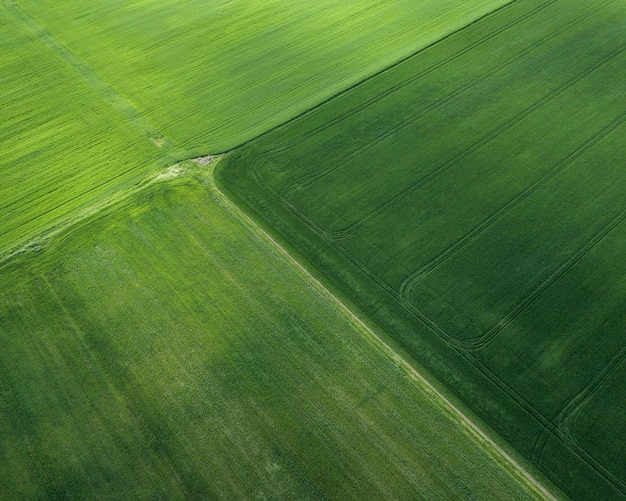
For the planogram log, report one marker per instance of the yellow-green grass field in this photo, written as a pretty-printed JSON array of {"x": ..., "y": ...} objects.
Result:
[
  {"x": 211, "y": 75},
  {"x": 95, "y": 95},
  {"x": 471, "y": 202},
  {"x": 67, "y": 139},
  {"x": 163, "y": 348}
]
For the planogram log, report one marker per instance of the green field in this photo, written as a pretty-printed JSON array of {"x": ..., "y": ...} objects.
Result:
[
  {"x": 212, "y": 75},
  {"x": 156, "y": 344},
  {"x": 425, "y": 300},
  {"x": 470, "y": 201},
  {"x": 164, "y": 349},
  {"x": 95, "y": 95},
  {"x": 68, "y": 139}
]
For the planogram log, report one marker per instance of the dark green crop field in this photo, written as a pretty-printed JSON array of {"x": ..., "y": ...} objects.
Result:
[
  {"x": 163, "y": 349},
  {"x": 470, "y": 200}
]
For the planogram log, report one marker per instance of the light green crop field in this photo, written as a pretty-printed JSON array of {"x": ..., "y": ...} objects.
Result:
[
  {"x": 95, "y": 95},
  {"x": 164, "y": 349},
  {"x": 212, "y": 75},
  {"x": 68, "y": 140},
  {"x": 470, "y": 200}
]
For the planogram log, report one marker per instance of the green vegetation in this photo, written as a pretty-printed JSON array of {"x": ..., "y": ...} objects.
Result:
[
  {"x": 164, "y": 349},
  {"x": 68, "y": 139},
  {"x": 151, "y": 344},
  {"x": 212, "y": 75},
  {"x": 452, "y": 171},
  {"x": 97, "y": 95},
  {"x": 470, "y": 201}
]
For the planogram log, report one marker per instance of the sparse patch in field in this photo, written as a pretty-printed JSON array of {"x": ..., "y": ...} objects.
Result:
[
  {"x": 205, "y": 160},
  {"x": 171, "y": 172}
]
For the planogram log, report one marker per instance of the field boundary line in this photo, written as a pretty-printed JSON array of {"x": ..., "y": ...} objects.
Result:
[
  {"x": 370, "y": 102},
  {"x": 518, "y": 470},
  {"x": 38, "y": 241},
  {"x": 381, "y": 71},
  {"x": 288, "y": 192},
  {"x": 546, "y": 424},
  {"x": 449, "y": 339},
  {"x": 234, "y": 117},
  {"x": 347, "y": 231},
  {"x": 205, "y": 177}
]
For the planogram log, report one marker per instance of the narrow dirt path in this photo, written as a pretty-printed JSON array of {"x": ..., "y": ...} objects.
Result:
[{"x": 512, "y": 465}]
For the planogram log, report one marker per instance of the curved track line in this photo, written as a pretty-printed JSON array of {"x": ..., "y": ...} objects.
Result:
[
  {"x": 566, "y": 419},
  {"x": 571, "y": 412},
  {"x": 563, "y": 420},
  {"x": 349, "y": 230},
  {"x": 519, "y": 470},
  {"x": 409, "y": 286},
  {"x": 542, "y": 287}
]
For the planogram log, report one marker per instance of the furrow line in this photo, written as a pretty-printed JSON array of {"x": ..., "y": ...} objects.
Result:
[
  {"x": 349, "y": 230},
  {"x": 567, "y": 417},
  {"x": 410, "y": 284},
  {"x": 490, "y": 335},
  {"x": 365, "y": 104},
  {"x": 121, "y": 104}
]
